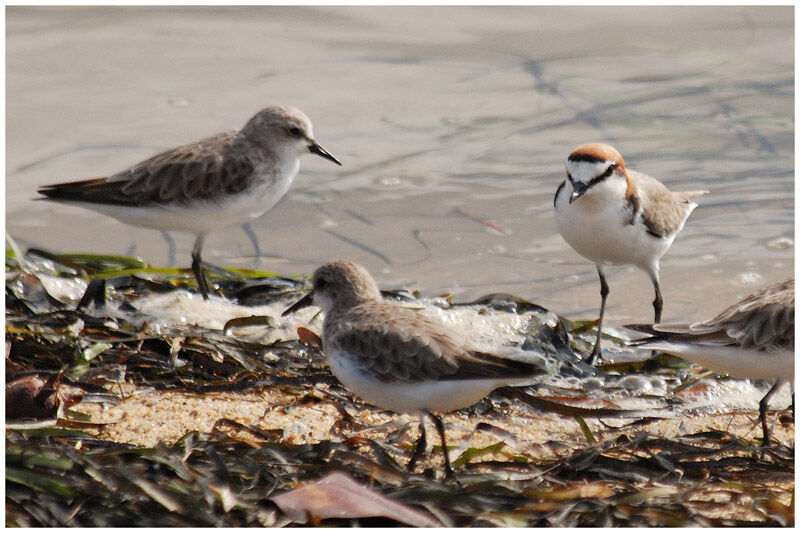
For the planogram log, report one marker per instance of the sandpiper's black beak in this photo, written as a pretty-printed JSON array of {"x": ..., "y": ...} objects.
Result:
[
  {"x": 305, "y": 301},
  {"x": 578, "y": 188},
  {"x": 314, "y": 148}
]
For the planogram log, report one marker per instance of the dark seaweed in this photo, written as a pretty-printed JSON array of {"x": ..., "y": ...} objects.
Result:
[{"x": 59, "y": 475}]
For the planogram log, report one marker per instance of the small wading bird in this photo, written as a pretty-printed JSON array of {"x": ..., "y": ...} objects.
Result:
[
  {"x": 753, "y": 338},
  {"x": 398, "y": 359},
  {"x": 218, "y": 182},
  {"x": 613, "y": 216}
]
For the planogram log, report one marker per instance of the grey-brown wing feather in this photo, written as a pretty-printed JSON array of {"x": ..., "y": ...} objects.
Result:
[
  {"x": 763, "y": 320},
  {"x": 408, "y": 352},
  {"x": 673, "y": 207},
  {"x": 197, "y": 171}
]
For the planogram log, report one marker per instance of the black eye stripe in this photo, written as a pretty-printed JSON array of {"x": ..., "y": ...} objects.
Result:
[
  {"x": 602, "y": 177},
  {"x": 610, "y": 170},
  {"x": 597, "y": 179}
]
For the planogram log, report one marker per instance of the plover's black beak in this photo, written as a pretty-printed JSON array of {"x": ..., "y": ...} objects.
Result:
[
  {"x": 314, "y": 148},
  {"x": 578, "y": 189},
  {"x": 305, "y": 301}
]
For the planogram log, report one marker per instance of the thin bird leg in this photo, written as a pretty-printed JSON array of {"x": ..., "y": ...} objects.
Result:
[
  {"x": 256, "y": 248},
  {"x": 658, "y": 303},
  {"x": 449, "y": 474},
  {"x": 420, "y": 445},
  {"x": 596, "y": 353},
  {"x": 197, "y": 266},
  {"x": 762, "y": 410},
  {"x": 170, "y": 247}
]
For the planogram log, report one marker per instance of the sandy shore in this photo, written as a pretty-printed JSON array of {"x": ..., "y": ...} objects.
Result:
[{"x": 151, "y": 417}]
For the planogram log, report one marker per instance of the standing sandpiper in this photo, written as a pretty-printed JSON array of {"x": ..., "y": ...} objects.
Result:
[
  {"x": 753, "y": 338},
  {"x": 225, "y": 180},
  {"x": 398, "y": 359}
]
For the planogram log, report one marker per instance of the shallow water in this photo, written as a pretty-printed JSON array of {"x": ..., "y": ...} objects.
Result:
[{"x": 442, "y": 118}]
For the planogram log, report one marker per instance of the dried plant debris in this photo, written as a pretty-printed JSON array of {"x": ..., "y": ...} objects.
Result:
[
  {"x": 66, "y": 478},
  {"x": 74, "y": 334}
]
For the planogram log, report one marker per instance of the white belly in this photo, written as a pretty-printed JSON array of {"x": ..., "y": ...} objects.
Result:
[
  {"x": 411, "y": 397},
  {"x": 596, "y": 227},
  {"x": 733, "y": 361}
]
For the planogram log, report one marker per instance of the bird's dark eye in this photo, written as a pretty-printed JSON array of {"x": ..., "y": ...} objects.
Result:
[
  {"x": 294, "y": 131},
  {"x": 609, "y": 170},
  {"x": 320, "y": 283}
]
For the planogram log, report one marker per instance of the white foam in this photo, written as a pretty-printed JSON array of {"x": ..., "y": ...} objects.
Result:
[{"x": 484, "y": 328}]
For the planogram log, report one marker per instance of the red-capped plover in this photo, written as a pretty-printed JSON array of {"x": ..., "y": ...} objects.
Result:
[
  {"x": 224, "y": 180},
  {"x": 398, "y": 359},
  {"x": 612, "y": 216},
  {"x": 753, "y": 338}
]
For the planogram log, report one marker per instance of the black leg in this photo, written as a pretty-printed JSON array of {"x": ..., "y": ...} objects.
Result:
[
  {"x": 197, "y": 266},
  {"x": 762, "y": 410},
  {"x": 658, "y": 303},
  {"x": 449, "y": 474},
  {"x": 596, "y": 352},
  {"x": 420, "y": 445}
]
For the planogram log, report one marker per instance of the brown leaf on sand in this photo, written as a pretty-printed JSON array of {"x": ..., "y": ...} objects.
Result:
[{"x": 339, "y": 496}]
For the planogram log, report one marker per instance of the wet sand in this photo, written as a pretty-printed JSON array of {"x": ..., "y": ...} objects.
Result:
[{"x": 151, "y": 417}]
